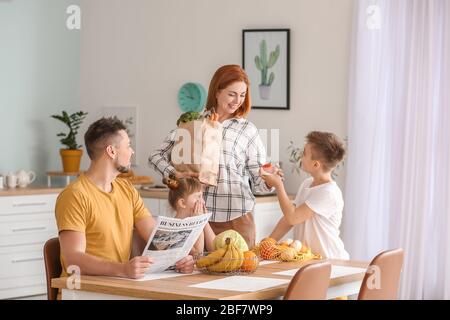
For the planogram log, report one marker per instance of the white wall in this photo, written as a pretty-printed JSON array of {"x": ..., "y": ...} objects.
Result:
[
  {"x": 39, "y": 76},
  {"x": 140, "y": 52}
]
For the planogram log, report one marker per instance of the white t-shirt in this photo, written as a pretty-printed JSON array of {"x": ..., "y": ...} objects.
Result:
[{"x": 321, "y": 232}]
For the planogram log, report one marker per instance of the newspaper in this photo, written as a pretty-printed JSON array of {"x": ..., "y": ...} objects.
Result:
[{"x": 172, "y": 239}]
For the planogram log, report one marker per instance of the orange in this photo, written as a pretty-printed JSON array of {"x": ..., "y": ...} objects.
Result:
[{"x": 250, "y": 261}]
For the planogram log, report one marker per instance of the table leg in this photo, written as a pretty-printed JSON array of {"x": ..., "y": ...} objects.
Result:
[{"x": 49, "y": 181}]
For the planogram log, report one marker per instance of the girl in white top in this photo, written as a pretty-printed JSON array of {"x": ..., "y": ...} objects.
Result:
[{"x": 317, "y": 209}]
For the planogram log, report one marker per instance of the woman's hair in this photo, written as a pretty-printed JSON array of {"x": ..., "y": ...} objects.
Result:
[
  {"x": 326, "y": 147},
  {"x": 222, "y": 78},
  {"x": 181, "y": 188}
]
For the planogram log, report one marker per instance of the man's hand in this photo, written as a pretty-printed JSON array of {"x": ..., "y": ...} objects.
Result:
[
  {"x": 137, "y": 267},
  {"x": 185, "y": 265}
]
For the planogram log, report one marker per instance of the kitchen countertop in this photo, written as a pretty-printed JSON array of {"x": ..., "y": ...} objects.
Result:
[
  {"x": 29, "y": 191},
  {"x": 155, "y": 193}
]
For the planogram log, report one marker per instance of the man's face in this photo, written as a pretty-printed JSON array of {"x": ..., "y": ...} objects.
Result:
[{"x": 122, "y": 161}]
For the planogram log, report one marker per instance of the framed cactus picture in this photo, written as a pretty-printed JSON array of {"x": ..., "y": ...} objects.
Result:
[{"x": 265, "y": 58}]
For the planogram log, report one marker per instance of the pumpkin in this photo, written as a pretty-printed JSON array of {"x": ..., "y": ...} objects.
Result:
[{"x": 251, "y": 261}]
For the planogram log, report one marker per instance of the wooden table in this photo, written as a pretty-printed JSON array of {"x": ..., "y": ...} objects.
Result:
[{"x": 178, "y": 288}]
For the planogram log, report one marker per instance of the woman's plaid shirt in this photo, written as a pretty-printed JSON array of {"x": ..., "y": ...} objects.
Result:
[{"x": 242, "y": 155}]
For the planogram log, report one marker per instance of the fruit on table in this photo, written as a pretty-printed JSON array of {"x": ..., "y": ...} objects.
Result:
[
  {"x": 250, "y": 262},
  {"x": 270, "y": 240},
  {"x": 288, "y": 254},
  {"x": 239, "y": 241},
  {"x": 297, "y": 245},
  {"x": 211, "y": 258},
  {"x": 305, "y": 249},
  {"x": 269, "y": 249},
  {"x": 231, "y": 261},
  {"x": 266, "y": 248},
  {"x": 286, "y": 243}
]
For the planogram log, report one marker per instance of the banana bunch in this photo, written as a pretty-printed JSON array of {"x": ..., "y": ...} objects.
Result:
[
  {"x": 226, "y": 259},
  {"x": 211, "y": 258}
]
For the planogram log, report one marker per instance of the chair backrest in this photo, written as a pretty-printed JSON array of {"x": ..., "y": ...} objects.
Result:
[
  {"x": 310, "y": 282},
  {"x": 52, "y": 265},
  {"x": 382, "y": 277}
]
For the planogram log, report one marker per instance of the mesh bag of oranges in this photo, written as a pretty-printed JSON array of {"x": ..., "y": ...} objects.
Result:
[{"x": 286, "y": 250}]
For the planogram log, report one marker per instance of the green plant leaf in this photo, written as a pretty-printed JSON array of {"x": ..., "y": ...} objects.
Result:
[
  {"x": 271, "y": 78},
  {"x": 73, "y": 122},
  {"x": 263, "y": 54},
  {"x": 258, "y": 63}
]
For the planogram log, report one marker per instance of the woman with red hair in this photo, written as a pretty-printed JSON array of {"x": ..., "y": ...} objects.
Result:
[{"x": 231, "y": 201}]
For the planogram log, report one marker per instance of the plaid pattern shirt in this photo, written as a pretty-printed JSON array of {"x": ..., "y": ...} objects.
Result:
[{"x": 242, "y": 155}]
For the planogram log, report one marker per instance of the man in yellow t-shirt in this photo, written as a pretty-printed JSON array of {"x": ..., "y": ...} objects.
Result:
[{"x": 96, "y": 213}]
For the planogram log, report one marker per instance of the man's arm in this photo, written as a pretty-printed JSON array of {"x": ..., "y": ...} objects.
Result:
[
  {"x": 73, "y": 250},
  {"x": 145, "y": 227}
]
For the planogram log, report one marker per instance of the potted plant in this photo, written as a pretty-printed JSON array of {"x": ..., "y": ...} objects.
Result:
[{"x": 71, "y": 156}]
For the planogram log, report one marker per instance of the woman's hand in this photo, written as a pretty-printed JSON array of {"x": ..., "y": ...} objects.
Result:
[{"x": 181, "y": 175}]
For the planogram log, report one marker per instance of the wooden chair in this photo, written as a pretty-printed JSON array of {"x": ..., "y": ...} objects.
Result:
[
  {"x": 52, "y": 265},
  {"x": 387, "y": 267},
  {"x": 310, "y": 282}
]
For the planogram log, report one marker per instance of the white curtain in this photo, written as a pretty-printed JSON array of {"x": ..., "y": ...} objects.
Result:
[{"x": 398, "y": 165}]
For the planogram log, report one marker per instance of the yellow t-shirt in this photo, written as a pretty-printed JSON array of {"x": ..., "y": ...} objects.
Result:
[{"x": 106, "y": 219}]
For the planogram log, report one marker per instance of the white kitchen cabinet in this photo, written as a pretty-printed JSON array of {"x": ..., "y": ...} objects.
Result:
[
  {"x": 266, "y": 216},
  {"x": 26, "y": 223}
]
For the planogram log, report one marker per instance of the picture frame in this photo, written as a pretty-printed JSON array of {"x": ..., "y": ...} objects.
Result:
[
  {"x": 128, "y": 115},
  {"x": 266, "y": 60}
]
